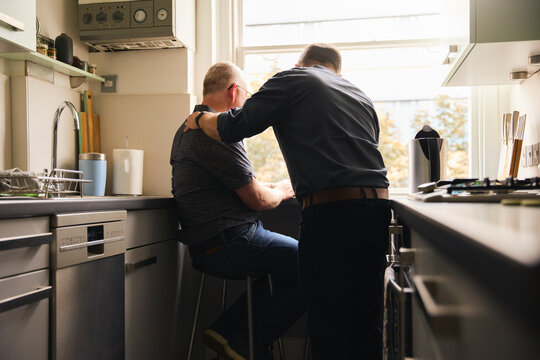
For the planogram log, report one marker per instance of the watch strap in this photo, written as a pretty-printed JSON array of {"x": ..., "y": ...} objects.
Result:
[{"x": 198, "y": 117}]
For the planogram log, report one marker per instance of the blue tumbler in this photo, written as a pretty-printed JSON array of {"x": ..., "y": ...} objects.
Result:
[{"x": 94, "y": 167}]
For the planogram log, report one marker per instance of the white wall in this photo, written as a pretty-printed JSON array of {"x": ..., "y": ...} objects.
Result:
[
  {"x": 5, "y": 117},
  {"x": 525, "y": 98},
  {"x": 153, "y": 98}
]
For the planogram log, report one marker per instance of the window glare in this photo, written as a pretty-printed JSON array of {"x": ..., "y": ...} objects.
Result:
[{"x": 296, "y": 22}]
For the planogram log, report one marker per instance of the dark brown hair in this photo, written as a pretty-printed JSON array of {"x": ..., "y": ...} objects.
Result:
[{"x": 324, "y": 54}]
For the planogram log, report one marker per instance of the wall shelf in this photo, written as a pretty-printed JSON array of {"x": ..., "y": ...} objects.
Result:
[{"x": 55, "y": 65}]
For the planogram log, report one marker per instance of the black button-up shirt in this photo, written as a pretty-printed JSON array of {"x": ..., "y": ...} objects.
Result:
[{"x": 327, "y": 129}]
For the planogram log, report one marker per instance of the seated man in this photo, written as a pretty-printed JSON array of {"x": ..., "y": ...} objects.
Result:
[{"x": 218, "y": 199}]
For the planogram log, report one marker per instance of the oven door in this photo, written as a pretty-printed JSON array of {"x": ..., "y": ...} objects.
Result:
[
  {"x": 397, "y": 323},
  {"x": 398, "y": 291}
]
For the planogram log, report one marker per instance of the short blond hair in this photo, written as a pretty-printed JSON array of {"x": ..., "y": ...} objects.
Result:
[
  {"x": 220, "y": 76},
  {"x": 321, "y": 54}
]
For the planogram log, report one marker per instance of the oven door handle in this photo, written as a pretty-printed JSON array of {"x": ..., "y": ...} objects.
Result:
[
  {"x": 443, "y": 319},
  {"x": 25, "y": 299},
  {"x": 91, "y": 243}
]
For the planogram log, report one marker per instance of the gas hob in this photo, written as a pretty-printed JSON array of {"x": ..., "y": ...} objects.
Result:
[{"x": 475, "y": 190}]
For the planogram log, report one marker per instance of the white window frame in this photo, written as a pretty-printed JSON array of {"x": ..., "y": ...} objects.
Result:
[{"x": 484, "y": 102}]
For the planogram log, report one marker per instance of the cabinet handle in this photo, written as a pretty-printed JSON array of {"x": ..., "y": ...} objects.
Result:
[
  {"x": 90, "y": 243},
  {"x": 139, "y": 264},
  {"x": 25, "y": 241},
  {"x": 14, "y": 23},
  {"x": 444, "y": 320},
  {"x": 25, "y": 299}
]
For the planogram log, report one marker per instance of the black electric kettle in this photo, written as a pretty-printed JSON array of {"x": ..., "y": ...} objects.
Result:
[{"x": 427, "y": 158}]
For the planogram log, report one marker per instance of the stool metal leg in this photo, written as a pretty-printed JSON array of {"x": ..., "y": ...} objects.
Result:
[
  {"x": 223, "y": 294},
  {"x": 307, "y": 348},
  {"x": 250, "y": 317},
  {"x": 197, "y": 307},
  {"x": 280, "y": 341}
]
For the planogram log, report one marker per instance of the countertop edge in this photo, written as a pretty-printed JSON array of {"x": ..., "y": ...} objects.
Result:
[{"x": 29, "y": 208}]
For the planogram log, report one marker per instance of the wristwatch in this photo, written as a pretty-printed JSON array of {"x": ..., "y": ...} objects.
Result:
[{"x": 198, "y": 117}]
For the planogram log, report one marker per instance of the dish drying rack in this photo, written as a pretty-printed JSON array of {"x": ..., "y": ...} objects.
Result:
[{"x": 60, "y": 182}]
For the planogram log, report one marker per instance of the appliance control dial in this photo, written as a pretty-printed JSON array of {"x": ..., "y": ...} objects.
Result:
[
  {"x": 87, "y": 18},
  {"x": 118, "y": 16},
  {"x": 101, "y": 17},
  {"x": 139, "y": 15},
  {"x": 162, "y": 14}
]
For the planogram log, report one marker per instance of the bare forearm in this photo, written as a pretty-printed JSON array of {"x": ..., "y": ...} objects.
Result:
[
  {"x": 259, "y": 196},
  {"x": 207, "y": 123}
]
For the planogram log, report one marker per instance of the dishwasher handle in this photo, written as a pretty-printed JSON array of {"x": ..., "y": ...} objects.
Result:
[
  {"x": 139, "y": 264},
  {"x": 25, "y": 241},
  {"x": 91, "y": 243},
  {"x": 25, "y": 299}
]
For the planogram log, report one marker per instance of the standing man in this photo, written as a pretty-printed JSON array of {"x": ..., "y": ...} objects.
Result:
[
  {"x": 218, "y": 200},
  {"x": 328, "y": 131}
]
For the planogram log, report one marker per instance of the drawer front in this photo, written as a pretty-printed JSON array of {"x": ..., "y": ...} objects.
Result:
[
  {"x": 24, "y": 245},
  {"x": 24, "y": 330},
  {"x": 150, "y": 226}
]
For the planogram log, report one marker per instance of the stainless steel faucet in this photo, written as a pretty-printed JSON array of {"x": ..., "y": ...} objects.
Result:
[{"x": 76, "y": 128}]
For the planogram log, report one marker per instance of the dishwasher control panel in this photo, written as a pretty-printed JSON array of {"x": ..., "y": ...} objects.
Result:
[{"x": 83, "y": 237}]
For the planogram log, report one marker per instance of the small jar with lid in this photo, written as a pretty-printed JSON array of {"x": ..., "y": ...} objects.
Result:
[
  {"x": 94, "y": 167},
  {"x": 42, "y": 48},
  {"x": 51, "y": 52}
]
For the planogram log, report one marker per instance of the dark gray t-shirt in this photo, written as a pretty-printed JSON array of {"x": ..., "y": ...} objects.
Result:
[{"x": 205, "y": 175}]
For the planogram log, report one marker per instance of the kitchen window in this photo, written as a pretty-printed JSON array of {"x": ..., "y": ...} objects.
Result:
[{"x": 390, "y": 49}]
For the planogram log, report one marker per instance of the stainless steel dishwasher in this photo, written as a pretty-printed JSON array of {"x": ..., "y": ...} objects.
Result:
[{"x": 88, "y": 319}]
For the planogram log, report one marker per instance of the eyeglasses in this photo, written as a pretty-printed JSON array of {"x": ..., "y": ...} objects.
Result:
[{"x": 233, "y": 85}]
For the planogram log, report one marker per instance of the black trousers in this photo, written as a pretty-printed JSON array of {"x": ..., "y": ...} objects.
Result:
[{"x": 342, "y": 248}]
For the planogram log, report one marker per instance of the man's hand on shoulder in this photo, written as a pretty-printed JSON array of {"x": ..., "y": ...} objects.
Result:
[
  {"x": 206, "y": 121},
  {"x": 190, "y": 121}
]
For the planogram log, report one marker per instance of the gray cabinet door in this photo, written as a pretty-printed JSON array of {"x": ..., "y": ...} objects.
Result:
[{"x": 152, "y": 279}]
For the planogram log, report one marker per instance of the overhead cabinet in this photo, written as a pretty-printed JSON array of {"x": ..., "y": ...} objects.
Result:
[
  {"x": 17, "y": 25},
  {"x": 489, "y": 39}
]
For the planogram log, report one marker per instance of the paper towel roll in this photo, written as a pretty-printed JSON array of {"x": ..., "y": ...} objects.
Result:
[{"x": 127, "y": 172}]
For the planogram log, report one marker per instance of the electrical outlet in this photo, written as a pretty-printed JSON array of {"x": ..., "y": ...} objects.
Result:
[
  {"x": 109, "y": 86},
  {"x": 535, "y": 154},
  {"x": 524, "y": 157},
  {"x": 529, "y": 150}
]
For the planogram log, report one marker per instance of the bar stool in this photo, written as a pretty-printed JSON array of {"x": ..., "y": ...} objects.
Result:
[{"x": 249, "y": 299}]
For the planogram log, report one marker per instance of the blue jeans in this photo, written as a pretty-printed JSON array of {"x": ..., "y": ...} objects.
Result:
[
  {"x": 248, "y": 249},
  {"x": 341, "y": 256}
]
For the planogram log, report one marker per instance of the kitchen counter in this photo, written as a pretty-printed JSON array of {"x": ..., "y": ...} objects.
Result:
[
  {"x": 39, "y": 207},
  {"x": 497, "y": 245}
]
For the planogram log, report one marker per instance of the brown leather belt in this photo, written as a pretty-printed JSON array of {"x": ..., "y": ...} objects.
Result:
[{"x": 340, "y": 194}]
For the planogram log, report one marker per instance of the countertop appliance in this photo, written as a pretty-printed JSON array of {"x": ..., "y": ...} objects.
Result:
[
  {"x": 128, "y": 25},
  {"x": 475, "y": 190},
  {"x": 88, "y": 320},
  {"x": 427, "y": 158}
]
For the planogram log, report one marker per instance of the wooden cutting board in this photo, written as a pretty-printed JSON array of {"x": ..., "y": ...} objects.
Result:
[
  {"x": 96, "y": 133},
  {"x": 83, "y": 134},
  {"x": 93, "y": 124},
  {"x": 88, "y": 108}
]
